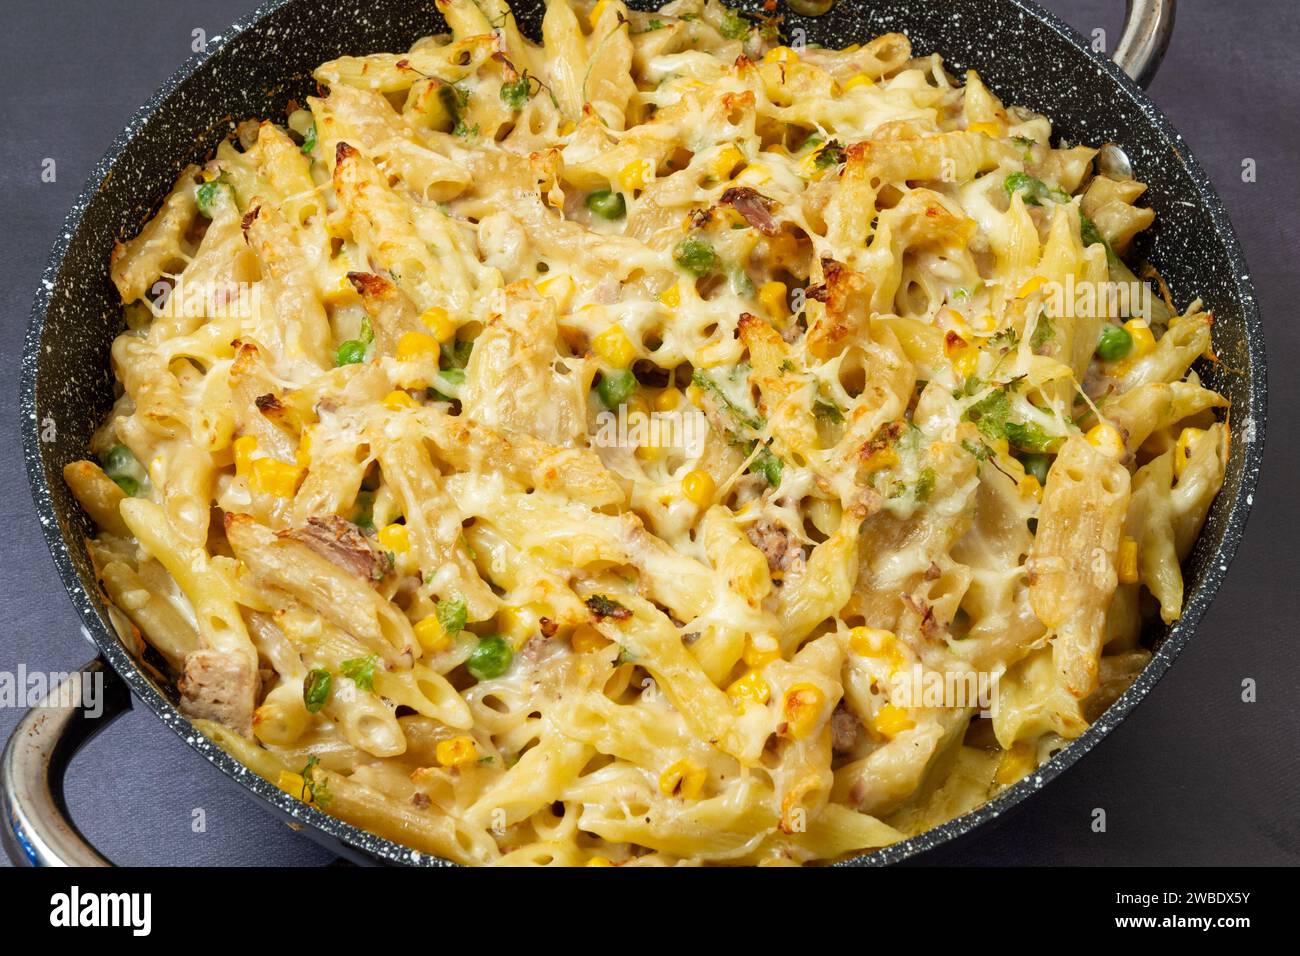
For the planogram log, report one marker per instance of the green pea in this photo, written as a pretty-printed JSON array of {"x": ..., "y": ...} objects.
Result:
[
  {"x": 118, "y": 460},
  {"x": 607, "y": 204},
  {"x": 309, "y": 140},
  {"x": 490, "y": 658},
  {"x": 696, "y": 256},
  {"x": 350, "y": 352},
  {"x": 128, "y": 484},
  {"x": 1037, "y": 465},
  {"x": 316, "y": 689},
  {"x": 1115, "y": 343},
  {"x": 212, "y": 194},
  {"x": 615, "y": 388}
]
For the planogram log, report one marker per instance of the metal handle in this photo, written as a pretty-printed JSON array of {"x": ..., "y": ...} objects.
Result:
[
  {"x": 1148, "y": 25},
  {"x": 37, "y": 830}
]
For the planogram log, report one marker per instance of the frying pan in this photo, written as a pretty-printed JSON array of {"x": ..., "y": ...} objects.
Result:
[{"x": 1023, "y": 53}]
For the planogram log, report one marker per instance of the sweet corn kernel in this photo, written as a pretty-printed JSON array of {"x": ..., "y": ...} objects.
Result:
[
  {"x": 340, "y": 290},
  {"x": 598, "y": 861},
  {"x": 1183, "y": 448},
  {"x": 303, "y": 455},
  {"x": 1143, "y": 340},
  {"x": 668, "y": 399},
  {"x": 671, "y": 297},
  {"x": 395, "y": 538},
  {"x": 245, "y": 447},
  {"x": 966, "y": 362},
  {"x": 1030, "y": 287},
  {"x": 698, "y": 487},
  {"x": 614, "y": 347},
  {"x": 1106, "y": 438},
  {"x": 728, "y": 158},
  {"x": 890, "y": 721},
  {"x": 749, "y": 688},
  {"x": 859, "y": 80},
  {"x": 780, "y": 54},
  {"x": 1030, "y": 488},
  {"x": 683, "y": 779},
  {"x": 988, "y": 129},
  {"x": 586, "y": 639},
  {"x": 759, "y": 653},
  {"x": 274, "y": 477},
  {"x": 567, "y": 127},
  {"x": 431, "y": 635},
  {"x": 772, "y": 296},
  {"x": 1126, "y": 561},
  {"x": 294, "y": 784},
  {"x": 649, "y": 452},
  {"x": 871, "y": 641},
  {"x": 802, "y": 709},
  {"x": 1015, "y": 763},
  {"x": 695, "y": 395},
  {"x": 437, "y": 321},
  {"x": 636, "y": 174},
  {"x": 398, "y": 399},
  {"x": 560, "y": 288},
  {"x": 950, "y": 320},
  {"x": 881, "y": 459},
  {"x": 415, "y": 345},
  {"x": 594, "y": 17},
  {"x": 456, "y": 752},
  {"x": 755, "y": 174}
]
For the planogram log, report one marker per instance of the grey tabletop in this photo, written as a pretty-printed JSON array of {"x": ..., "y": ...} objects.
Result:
[{"x": 1194, "y": 776}]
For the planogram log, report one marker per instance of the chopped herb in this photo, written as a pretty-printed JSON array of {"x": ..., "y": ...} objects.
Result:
[
  {"x": 1029, "y": 437},
  {"x": 1044, "y": 332},
  {"x": 309, "y": 140},
  {"x": 515, "y": 93},
  {"x": 654, "y": 24},
  {"x": 1037, "y": 465},
  {"x": 1034, "y": 191},
  {"x": 490, "y": 658},
  {"x": 701, "y": 378},
  {"x": 604, "y": 607},
  {"x": 367, "y": 333},
  {"x": 1089, "y": 234},
  {"x": 364, "y": 517},
  {"x": 832, "y": 154},
  {"x": 990, "y": 414},
  {"x": 1005, "y": 339},
  {"x": 924, "y": 485},
  {"x": 981, "y": 451},
  {"x": 1026, "y": 146},
  {"x": 316, "y": 689},
  {"x": 318, "y": 791},
  {"x": 787, "y": 365},
  {"x": 734, "y": 25},
  {"x": 463, "y": 131},
  {"x": 452, "y": 616},
  {"x": 828, "y": 410},
  {"x": 768, "y": 465},
  {"x": 361, "y": 670}
]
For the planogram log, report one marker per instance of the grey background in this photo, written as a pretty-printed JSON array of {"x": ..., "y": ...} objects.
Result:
[{"x": 1194, "y": 776}]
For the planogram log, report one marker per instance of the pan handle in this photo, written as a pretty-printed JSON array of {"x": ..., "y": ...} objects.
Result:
[
  {"x": 1148, "y": 24},
  {"x": 35, "y": 828}
]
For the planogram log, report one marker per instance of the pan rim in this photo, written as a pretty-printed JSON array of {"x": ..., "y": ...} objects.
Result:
[{"x": 368, "y": 847}]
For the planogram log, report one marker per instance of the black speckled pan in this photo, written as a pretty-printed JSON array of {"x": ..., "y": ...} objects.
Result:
[{"x": 1026, "y": 55}]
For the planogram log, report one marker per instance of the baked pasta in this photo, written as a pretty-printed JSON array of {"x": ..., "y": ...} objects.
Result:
[{"x": 632, "y": 447}]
